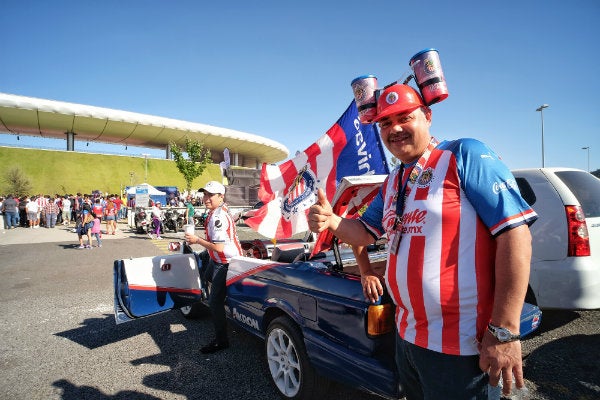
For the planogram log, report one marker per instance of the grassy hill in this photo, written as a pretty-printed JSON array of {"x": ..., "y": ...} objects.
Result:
[{"x": 56, "y": 171}]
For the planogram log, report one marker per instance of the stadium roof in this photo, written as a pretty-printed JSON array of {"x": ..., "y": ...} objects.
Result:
[{"x": 53, "y": 119}]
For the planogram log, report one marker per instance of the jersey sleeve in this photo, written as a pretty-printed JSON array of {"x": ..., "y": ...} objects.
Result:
[
  {"x": 373, "y": 215},
  {"x": 490, "y": 186}
]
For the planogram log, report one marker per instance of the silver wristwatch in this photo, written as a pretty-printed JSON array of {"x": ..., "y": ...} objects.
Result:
[{"x": 502, "y": 334}]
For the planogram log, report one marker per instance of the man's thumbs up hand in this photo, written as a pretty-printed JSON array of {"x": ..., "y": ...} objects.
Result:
[{"x": 319, "y": 215}]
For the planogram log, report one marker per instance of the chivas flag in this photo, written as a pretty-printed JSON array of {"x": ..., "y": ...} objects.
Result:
[{"x": 348, "y": 148}]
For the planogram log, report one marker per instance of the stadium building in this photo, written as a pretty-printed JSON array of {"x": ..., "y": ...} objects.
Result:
[{"x": 43, "y": 118}]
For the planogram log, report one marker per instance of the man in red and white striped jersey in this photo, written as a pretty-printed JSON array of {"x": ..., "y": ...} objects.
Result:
[
  {"x": 459, "y": 253},
  {"x": 221, "y": 244}
]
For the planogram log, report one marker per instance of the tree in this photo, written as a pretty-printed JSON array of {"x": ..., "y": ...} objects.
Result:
[
  {"x": 194, "y": 165},
  {"x": 16, "y": 182}
]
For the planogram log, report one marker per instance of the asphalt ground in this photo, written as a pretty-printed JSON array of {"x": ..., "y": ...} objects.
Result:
[{"x": 60, "y": 341}]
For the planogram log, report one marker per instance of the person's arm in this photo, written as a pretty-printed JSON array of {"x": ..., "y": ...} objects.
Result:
[
  {"x": 219, "y": 234},
  {"x": 370, "y": 280},
  {"x": 351, "y": 231},
  {"x": 513, "y": 256},
  {"x": 193, "y": 239}
]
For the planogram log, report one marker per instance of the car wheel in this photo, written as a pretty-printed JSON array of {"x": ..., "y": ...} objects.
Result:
[
  {"x": 288, "y": 364},
  {"x": 193, "y": 311}
]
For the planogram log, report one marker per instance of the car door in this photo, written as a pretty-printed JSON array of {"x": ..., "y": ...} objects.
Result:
[{"x": 150, "y": 285}]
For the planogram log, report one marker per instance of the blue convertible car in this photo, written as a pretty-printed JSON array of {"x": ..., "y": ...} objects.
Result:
[{"x": 310, "y": 311}]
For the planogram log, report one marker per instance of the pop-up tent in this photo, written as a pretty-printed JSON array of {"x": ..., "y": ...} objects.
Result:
[{"x": 154, "y": 193}]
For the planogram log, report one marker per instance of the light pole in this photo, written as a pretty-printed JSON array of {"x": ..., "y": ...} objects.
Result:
[
  {"x": 588, "y": 156},
  {"x": 146, "y": 176},
  {"x": 541, "y": 110}
]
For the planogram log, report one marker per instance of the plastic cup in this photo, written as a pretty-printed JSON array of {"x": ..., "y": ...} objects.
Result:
[{"x": 189, "y": 228}]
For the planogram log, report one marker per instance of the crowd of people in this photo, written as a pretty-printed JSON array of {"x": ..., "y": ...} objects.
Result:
[
  {"x": 85, "y": 212},
  {"x": 49, "y": 211}
]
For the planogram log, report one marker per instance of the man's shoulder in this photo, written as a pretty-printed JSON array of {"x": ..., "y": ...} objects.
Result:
[{"x": 461, "y": 144}]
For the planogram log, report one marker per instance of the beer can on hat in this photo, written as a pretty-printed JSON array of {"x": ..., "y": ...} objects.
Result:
[
  {"x": 364, "y": 88},
  {"x": 429, "y": 76}
]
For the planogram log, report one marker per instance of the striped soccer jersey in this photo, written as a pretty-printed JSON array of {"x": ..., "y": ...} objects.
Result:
[
  {"x": 220, "y": 228},
  {"x": 456, "y": 199}
]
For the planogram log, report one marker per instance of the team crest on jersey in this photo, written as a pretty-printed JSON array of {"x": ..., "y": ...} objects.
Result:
[
  {"x": 301, "y": 194},
  {"x": 425, "y": 178}
]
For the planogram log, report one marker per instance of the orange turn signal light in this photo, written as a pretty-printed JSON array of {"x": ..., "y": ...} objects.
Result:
[{"x": 380, "y": 319}]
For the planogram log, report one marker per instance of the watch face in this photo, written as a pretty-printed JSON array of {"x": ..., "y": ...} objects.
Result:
[{"x": 502, "y": 334}]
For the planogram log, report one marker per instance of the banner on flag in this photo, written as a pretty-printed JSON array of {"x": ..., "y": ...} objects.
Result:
[{"x": 348, "y": 148}]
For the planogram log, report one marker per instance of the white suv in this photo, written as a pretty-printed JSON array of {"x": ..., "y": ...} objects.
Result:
[{"x": 565, "y": 263}]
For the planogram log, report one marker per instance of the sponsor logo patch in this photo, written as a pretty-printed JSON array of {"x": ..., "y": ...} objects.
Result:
[
  {"x": 243, "y": 318},
  {"x": 498, "y": 187}
]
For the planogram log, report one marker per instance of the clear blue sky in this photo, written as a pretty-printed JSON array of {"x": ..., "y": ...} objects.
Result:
[{"x": 282, "y": 69}]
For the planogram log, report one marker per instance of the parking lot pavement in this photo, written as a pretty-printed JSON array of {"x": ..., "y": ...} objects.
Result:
[
  {"x": 62, "y": 234},
  {"x": 59, "y": 233},
  {"x": 560, "y": 358}
]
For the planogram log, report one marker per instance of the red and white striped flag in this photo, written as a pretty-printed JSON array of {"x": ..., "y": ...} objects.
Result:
[{"x": 288, "y": 190}]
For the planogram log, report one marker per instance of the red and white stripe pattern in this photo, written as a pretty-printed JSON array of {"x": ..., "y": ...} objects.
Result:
[
  {"x": 441, "y": 279},
  {"x": 284, "y": 181}
]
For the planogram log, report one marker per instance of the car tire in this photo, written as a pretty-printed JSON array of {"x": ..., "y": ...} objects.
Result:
[
  {"x": 194, "y": 311},
  {"x": 288, "y": 363}
]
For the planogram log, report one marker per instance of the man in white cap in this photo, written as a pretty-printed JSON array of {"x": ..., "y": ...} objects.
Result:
[{"x": 221, "y": 244}]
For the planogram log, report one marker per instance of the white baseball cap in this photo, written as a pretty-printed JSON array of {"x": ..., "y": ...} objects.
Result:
[{"x": 213, "y": 187}]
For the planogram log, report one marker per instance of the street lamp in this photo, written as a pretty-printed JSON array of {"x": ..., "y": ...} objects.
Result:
[
  {"x": 146, "y": 176},
  {"x": 588, "y": 156},
  {"x": 541, "y": 110}
]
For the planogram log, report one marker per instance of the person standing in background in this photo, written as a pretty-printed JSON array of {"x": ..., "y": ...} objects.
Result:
[
  {"x": 41, "y": 201},
  {"x": 32, "y": 213},
  {"x": 23, "y": 212},
  {"x": 50, "y": 212},
  {"x": 97, "y": 208},
  {"x": 190, "y": 210},
  {"x": 119, "y": 204},
  {"x": 66, "y": 211},
  {"x": 110, "y": 216},
  {"x": 10, "y": 208},
  {"x": 58, "y": 202},
  {"x": 85, "y": 222},
  {"x": 96, "y": 231}
]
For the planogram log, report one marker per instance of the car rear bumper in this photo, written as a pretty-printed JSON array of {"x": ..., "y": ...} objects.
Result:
[{"x": 571, "y": 283}]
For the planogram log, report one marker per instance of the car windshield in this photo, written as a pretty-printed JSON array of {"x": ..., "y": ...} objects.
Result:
[{"x": 586, "y": 188}]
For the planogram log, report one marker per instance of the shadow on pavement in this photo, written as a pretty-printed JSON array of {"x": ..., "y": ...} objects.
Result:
[
  {"x": 71, "y": 391},
  {"x": 566, "y": 368},
  {"x": 190, "y": 373}
]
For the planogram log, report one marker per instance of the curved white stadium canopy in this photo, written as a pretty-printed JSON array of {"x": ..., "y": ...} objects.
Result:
[{"x": 53, "y": 119}]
